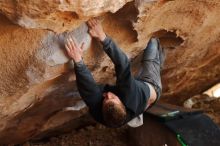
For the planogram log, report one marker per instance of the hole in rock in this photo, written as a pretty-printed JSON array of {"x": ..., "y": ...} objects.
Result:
[
  {"x": 168, "y": 39},
  {"x": 104, "y": 68},
  {"x": 120, "y": 24}
]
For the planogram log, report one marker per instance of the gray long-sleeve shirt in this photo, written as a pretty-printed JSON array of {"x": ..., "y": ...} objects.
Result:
[{"x": 133, "y": 93}]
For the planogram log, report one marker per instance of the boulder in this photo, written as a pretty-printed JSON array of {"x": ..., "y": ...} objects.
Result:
[{"x": 38, "y": 92}]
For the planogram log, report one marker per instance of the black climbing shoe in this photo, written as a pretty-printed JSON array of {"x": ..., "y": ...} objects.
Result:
[{"x": 152, "y": 63}]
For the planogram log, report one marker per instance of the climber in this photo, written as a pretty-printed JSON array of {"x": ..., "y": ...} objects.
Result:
[{"x": 117, "y": 105}]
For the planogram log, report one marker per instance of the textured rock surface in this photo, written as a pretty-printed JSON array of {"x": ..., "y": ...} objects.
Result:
[
  {"x": 38, "y": 93},
  {"x": 57, "y": 15},
  {"x": 209, "y": 104}
]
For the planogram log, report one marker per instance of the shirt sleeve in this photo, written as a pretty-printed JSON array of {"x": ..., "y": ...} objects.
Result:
[
  {"x": 120, "y": 60},
  {"x": 88, "y": 89}
]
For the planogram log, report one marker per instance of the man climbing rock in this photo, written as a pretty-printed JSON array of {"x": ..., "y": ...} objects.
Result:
[{"x": 116, "y": 105}]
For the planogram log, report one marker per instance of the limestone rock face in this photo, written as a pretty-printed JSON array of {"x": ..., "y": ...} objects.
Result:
[
  {"x": 38, "y": 93},
  {"x": 57, "y": 15}
]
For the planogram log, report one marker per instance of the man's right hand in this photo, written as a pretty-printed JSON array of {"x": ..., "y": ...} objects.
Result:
[{"x": 96, "y": 30}]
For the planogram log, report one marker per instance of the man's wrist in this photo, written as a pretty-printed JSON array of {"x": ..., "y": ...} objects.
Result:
[
  {"x": 102, "y": 38},
  {"x": 77, "y": 60},
  {"x": 106, "y": 41}
]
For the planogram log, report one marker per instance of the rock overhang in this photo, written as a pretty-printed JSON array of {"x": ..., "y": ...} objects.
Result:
[{"x": 38, "y": 75}]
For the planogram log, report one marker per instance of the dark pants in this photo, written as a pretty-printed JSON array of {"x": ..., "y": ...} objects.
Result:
[{"x": 151, "y": 65}]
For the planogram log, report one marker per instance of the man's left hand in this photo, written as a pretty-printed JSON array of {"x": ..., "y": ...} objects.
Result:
[{"x": 73, "y": 50}]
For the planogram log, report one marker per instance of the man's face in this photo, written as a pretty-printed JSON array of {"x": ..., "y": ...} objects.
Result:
[{"x": 111, "y": 97}]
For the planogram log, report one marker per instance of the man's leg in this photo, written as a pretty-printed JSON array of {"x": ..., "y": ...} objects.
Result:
[{"x": 152, "y": 62}]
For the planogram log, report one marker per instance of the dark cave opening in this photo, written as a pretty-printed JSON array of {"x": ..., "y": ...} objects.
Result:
[{"x": 168, "y": 39}]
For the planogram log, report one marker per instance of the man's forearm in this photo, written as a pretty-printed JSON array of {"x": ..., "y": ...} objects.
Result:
[
  {"x": 120, "y": 60},
  {"x": 115, "y": 53}
]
